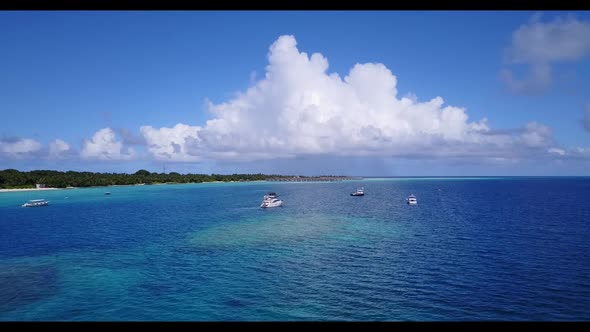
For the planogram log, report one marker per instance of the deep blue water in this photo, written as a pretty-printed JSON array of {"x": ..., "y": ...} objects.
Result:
[{"x": 472, "y": 249}]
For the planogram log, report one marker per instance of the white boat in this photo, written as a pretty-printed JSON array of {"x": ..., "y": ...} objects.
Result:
[
  {"x": 412, "y": 200},
  {"x": 36, "y": 202},
  {"x": 359, "y": 192},
  {"x": 271, "y": 200}
]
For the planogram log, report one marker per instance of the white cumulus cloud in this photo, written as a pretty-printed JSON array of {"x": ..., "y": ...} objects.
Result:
[
  {"x": 104, "y": 146},
  {"x": 58, "y": 148},
  {"x": 170, "y": 143},
  {"x": 299, "y": 108}
]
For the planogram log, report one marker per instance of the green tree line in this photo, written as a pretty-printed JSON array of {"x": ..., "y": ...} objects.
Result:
[{"x": 12, "y": 178}]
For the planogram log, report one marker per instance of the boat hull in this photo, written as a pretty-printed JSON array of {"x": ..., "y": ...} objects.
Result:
[
  {"x": 265, "y": 205},
  {"x": 35, "y": 204}
]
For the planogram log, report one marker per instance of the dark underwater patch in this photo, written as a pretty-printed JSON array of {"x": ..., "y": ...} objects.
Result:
[{"x": 23, "y": 285}]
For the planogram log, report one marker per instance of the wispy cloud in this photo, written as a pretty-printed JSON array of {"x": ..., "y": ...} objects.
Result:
[
  {"x": 19, "y": 147},
  {"x": 557, "y": 151},
  {"x": 539, "y": 44},
  {"x": 586, "y": 119},
  {"x": 27, "y": 148},
  {"x": 577, "y": 153}
]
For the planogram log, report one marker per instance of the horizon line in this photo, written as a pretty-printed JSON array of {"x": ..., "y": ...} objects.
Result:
[{"x": 316, "y": 175}]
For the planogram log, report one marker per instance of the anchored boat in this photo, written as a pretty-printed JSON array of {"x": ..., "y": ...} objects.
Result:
[
  {"x": 36, "y": 203},
  {"x": 412, "y": 200},
  {"x": 359, "y": 192},
  {"x": 271, "y": 200}
]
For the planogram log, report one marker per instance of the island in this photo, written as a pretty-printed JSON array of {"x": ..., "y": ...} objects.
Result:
[{"x": 50, "y": 179}]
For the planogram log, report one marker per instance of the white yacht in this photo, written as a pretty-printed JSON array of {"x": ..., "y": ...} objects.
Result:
[
  {"x": 412, "y": 200},
  {"x": 271, "y": 200},
  {"x": 36, "y": 202},
  {"x": 359, "y": 192}
]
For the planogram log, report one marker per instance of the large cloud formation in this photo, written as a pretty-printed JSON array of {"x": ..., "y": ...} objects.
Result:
[{"x": 299, "y": 108}]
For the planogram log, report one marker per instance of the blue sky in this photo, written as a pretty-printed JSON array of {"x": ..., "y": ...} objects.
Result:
[{"x": 92, "y": 80}]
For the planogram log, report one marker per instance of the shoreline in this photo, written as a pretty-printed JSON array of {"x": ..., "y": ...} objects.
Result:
[
  {"x": 28, "y": 189},
  {"x": 287, "y": 180},
  {"x": 121, "y": 185}
]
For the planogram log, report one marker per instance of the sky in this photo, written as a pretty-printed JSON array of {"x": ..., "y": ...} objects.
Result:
[{"x": 387, "y": 93}]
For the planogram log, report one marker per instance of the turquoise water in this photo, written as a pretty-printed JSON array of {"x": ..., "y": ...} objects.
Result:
[{"x": 472, "y": 249}]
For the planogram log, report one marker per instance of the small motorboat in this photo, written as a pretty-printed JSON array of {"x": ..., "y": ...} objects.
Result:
[
  {"x": 36, "y": 203},
  {"x": 412, "y": 200},
  {"x": 271, "y": 200},
  {"x": 107, "y": 193},
  {"x": 359, "y": 192}
]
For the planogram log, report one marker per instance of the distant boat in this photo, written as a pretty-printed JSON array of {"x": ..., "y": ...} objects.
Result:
[
  {"x": 359, "y": 192},
  {"x": 271, "y": 200},
  {"x": 107, "y": 193},
  {"x": 412, "y": 200},
  {"x": 36, "y": 203}
]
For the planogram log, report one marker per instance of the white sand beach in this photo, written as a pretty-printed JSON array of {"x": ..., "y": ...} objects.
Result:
[{"x": 27, "y": 189}]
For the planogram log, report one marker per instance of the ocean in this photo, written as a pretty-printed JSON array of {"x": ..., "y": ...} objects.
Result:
[{"x": 472, "y": 249}]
